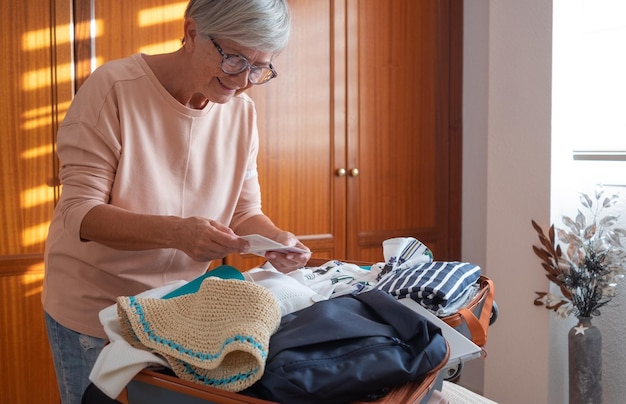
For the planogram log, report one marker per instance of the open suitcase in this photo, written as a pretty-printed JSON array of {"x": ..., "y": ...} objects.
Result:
[
  {"x": 154, "y": 387},
  {"x": 162, "y": 387},
  {"x": 473, "y": 321},
  {"x": 151, "y": 387}
]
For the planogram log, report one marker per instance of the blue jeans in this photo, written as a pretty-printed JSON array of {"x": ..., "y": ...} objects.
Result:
[{"x": 74, "y": 355}]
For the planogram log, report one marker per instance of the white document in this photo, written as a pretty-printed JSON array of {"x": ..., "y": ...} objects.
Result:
[{"x": 259, "y": 245}]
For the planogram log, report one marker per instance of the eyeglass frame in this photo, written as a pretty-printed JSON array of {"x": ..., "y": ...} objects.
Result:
[{"x": 249, "y": 66}]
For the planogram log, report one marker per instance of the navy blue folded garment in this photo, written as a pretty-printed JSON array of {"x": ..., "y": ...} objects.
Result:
[
  {"x": 434, "y": 285},
  {"x": 349, "y": 348}
]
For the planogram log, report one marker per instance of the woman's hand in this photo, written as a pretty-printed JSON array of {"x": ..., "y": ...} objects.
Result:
[
  {"x": 206, "y": 240},
  {"x": 287, "y": 262}
]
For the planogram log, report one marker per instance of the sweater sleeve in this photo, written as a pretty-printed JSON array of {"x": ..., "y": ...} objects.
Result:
[{"x": 89, "y": 157}]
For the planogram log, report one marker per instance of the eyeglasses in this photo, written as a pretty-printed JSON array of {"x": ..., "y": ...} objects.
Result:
[{"x": 235, "y": 64}]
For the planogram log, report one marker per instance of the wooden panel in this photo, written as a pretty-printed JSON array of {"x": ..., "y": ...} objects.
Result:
[
  {"x": 25, "y": 353},
  {"x": 299, "y": 119},
  {"x": 35, "y": 91},
  {"x": 455, "y": 121},
  {"x": 129, "y": 27},
  {"x": 295, "y": 161},
  {"x": 302, "y": 131},
  {"x": 396, "y": 187},
  {"x": 27, "y": 125},
  {"x": 107, "y": 30},
  {"x": 401, "y": 145}
]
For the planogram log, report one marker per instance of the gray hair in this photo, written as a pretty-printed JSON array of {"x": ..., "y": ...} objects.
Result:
[{"x": 257, "y": 24}]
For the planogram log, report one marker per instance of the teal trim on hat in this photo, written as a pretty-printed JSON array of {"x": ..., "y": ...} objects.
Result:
[
  {"x": 203, "y": 356},
  {"x": 223, "y": 271},
  {"x": 211, "y": 381},
  {"x": 246, "y": 339},
  {"x": 222, "y": 331}
]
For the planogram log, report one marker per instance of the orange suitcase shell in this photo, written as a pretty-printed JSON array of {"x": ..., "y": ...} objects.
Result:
[{"x": 474, "y": 319}]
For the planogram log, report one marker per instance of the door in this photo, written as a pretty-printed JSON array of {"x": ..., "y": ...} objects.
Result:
[
  {"x": 360, "y": 134},
  {"x": 403, "y": 134},
  {"x": 300, "y": 114},
  {"x": 365, "y": 88},
  {"x": 302, "y": 130},
  {"x": 34, "y": 91}
]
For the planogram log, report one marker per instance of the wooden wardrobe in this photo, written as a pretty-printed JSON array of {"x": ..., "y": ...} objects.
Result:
[{"x": 360, "y": 136}]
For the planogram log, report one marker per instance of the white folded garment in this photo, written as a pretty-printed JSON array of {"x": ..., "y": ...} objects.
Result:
[
  {"x": 119, "y": 362},
  {"x": 335, "y": 278},
  {"x": 290, "y": 294}
]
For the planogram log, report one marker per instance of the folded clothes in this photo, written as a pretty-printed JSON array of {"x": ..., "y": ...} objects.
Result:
[
  {"x": 403, "y": 252},
  {"x": 335, "y": 278},
  {"x": 462, "y": 300},
  {"x": 119, "y": 361},
  {"x": 434, "y": 285},
  {"x": 290, "y": 294}
]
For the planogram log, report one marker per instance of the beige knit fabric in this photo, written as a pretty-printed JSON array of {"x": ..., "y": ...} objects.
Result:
[{"x": 218, "y": 336}]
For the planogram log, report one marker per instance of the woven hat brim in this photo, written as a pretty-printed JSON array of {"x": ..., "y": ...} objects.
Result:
[{"x": 218, "y": 336}]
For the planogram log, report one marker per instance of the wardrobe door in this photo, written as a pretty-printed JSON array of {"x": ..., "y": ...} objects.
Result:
[
  {"x": 358, "y": 133},
  {"x": 128, "y": 27},
  {"x": 400, "y": 140},
  {"x": 297, "y": 111},
  {"x": 28, "y": 97},
  {"x": 301, "y": 117},
  {"x": 35, "y": 89}
]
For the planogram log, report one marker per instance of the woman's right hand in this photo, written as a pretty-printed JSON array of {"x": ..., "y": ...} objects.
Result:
[{"x": 206, "y": 240}]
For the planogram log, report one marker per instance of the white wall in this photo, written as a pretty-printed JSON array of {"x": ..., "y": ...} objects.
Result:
[
  {"x": 589, "y": 103},
  {"x": 507, "y": 113},
  {"x": 518, "y": 166},
  {"x": 475, "y": 116}
]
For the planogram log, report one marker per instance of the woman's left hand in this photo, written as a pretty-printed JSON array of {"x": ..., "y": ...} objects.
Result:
[{"x": 287, "y": 262}]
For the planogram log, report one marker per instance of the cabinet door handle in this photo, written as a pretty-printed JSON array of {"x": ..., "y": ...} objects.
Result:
[
  {"x": 340, "y": 172},
  {"x": 354, "y": 172}
]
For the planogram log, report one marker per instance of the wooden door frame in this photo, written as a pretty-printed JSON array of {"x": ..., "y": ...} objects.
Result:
[{"x": 455, "y": 119}]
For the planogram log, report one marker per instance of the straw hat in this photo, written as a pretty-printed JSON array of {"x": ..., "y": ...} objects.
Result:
[{"x": 218, "y": 336}]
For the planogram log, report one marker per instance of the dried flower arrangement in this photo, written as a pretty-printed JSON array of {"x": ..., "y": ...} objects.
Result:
[{"x": 594, "y": 260}]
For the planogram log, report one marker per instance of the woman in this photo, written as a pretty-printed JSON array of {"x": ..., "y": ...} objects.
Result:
[{"x": 159, "y": 174}]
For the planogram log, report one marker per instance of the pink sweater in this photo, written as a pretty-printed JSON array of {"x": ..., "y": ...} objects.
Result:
[{"x": 126, "y": 141}]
